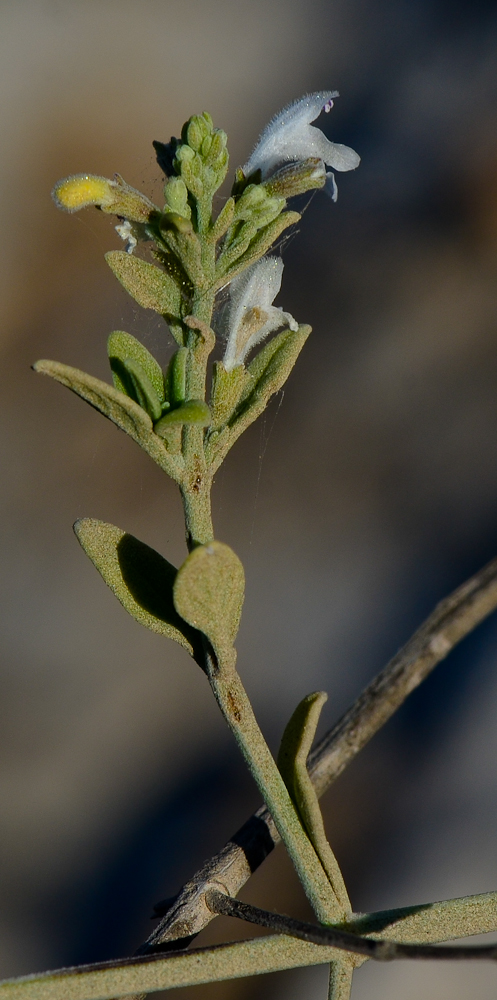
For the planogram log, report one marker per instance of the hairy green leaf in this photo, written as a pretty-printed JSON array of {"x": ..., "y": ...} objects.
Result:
[
  {"x": 227, "y": 388},
  {"x": 175, "y": 379},
  {"x": 122, "y": 347},
  {"x": 140, "y": 388},
  {"x": 118, "y": 407},
  {"x": 147, "y": 284},
  {"x": 115, "y": 405},
  {"x": 208, "y": 592},
  {"x": 268, "y": 373},
  {"x": 258, "y": 246},
  {"x": 294, "y": 750},
  {"x": 141, "y": 579}
]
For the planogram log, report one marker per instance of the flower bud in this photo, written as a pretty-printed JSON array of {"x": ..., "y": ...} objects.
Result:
[
  {"x": 296, "y": 178},
  {"x": 176, "y": 195},
  {"x": 113, "y": 197}
]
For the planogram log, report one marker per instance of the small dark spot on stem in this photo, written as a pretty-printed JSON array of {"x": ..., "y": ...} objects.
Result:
[
  {"x": 235, "y": 711},
  {"x": 197, "y": 484}
]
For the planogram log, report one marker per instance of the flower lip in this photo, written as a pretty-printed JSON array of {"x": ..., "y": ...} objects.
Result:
[{"x": 290, "y": 137}]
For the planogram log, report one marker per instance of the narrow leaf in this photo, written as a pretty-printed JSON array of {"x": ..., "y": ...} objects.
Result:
[
  {"x": 208, "y": 592},
  {"x": 227, "y": 388},
  {"x": 223, "y": 221},
  {"x": 115, "y": 405},
  {"x": 175, "y": 378},
  {"x": 257, "y": 247},
  {"x": 147, "y": 284},
  {"x": 141, "y": 388},
  {"x": 294, "y": 750},
  {"x": 141, "y": 579},
  {"x": 121, "y": 347},
  {"x": 269, "y": 372}
]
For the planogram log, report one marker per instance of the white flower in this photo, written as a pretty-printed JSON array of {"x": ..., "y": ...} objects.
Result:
[
  {"x": 290, "y": 137},
  {"x": 250, "y": 316}
]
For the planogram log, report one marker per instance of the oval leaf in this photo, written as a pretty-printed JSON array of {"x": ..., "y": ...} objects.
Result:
[
  {"x": 141, "y": 579},
  {"x": 147, "y": 284},
  {"x": 141, "y": 388},
  {"x": 208, "y": 592},
  {"x": 123, "y": 347}
]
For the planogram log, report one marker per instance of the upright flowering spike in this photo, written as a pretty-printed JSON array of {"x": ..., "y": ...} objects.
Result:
[
  {"x": 250, "y": 316},
  {"x": 290, "y": 138}
]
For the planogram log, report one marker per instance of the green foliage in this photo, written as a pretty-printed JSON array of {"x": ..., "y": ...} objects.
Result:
[
  {"x": 141, "y": 579},
  {"x": 122, "y": 347},
  {"x": 297, "y": 178},
  {"x": 208, "y": 593},
  {"x": 199, "y": 606},
  {"x": 194, "y": 411},
  {"x": 175, "y": 378},
  {"x": 267, "y": 374},
  {"x": 201, "y": 160},
  {"x": 147, "y": 284},
  {"x": 118, "y": 407},
  {"x": 227, "y": 388},
  {"x": 294, "y": 750},
  {"x": 250, "y": 245},
  {"x": 140, "y": 388}
]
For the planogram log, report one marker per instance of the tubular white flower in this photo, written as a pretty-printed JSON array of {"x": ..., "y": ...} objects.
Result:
[
  {"x": 290, "y": 137},
  {"x": 250, "y": 316}
]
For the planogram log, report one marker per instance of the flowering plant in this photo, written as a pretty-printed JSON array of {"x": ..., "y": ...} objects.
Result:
[{"x": 187, "y": 419}]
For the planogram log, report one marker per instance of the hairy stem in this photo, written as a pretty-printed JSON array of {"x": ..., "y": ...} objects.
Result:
[
  {"x": 237, "y": 710},
  {"x": 383, "y": 950}
]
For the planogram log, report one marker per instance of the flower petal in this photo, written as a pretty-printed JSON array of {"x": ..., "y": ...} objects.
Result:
[{"x": 290, "y": 137}]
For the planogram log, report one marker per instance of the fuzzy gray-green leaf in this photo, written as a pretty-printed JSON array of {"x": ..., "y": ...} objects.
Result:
[
  {"x": 175, "y": 379},
  {"x": 209, "y": 590},
  {"x": 195, "y": 411},
  {"x": 123, "y": 411},
  {"x": 115, "y": 405},
  {"x": 268, "y": 373},
  {"x": 141, "y": 579},
  {"x": 256, "y": 248},
  {"x": 141, "y": 388},
  {"x": 123, "y": 347},
  {"x": 227, "y": 388},
  {"x": 294, "y": 750},
  {"x": 147, "y": 284}
]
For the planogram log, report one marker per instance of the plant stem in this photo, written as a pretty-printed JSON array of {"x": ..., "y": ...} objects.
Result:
[
  {"x": 224, "y": 680},
  {"x": 237, "y": 710},
  {"x": 196, "y": 496},
  {"x": 340, "y": 982},
  {"x": 383, "y": 950}
]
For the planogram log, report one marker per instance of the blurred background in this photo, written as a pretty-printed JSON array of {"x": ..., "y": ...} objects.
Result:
[{"x": 365, "y": 494}]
